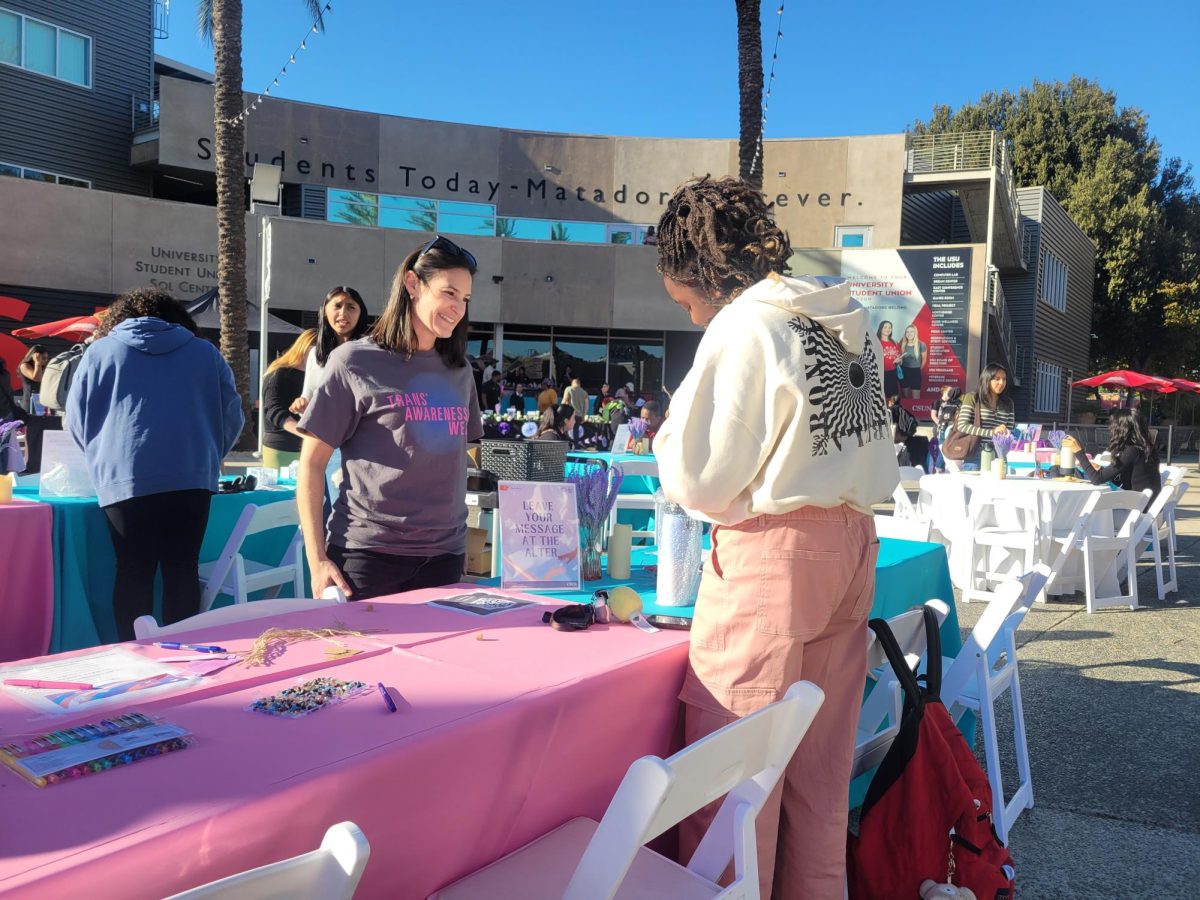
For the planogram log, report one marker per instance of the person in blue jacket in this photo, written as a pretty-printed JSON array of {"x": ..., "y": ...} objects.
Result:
[{"x": 154, "y": 408}]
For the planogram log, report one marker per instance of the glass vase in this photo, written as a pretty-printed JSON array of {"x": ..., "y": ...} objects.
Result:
[{"x": 591, "y": 548}]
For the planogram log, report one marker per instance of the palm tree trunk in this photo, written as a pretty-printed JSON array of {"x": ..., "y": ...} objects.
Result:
[
  {"x": 231, "y": 199},
  {"x": 750, "y": 91}
]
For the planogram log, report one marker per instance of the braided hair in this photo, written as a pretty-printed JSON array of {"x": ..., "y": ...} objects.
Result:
[{"x": 717, "y": 235}]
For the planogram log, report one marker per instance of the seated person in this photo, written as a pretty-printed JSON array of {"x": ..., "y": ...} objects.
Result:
[
  {"x": 1134, "y": 465},
  {"x": 653, "y": 417},
  {"x": 557, "y": 423}
]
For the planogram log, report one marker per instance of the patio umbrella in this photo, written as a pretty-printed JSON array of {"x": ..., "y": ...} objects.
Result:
[
  {"x": 1124, "y": 378},
  {"x": 74, "y": 329}
]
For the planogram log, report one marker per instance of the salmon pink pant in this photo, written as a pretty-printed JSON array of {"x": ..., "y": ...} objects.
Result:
[{"x": 785, "y": 599}]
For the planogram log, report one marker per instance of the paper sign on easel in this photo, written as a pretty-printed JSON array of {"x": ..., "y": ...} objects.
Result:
[{"x": 539, "y": 536}]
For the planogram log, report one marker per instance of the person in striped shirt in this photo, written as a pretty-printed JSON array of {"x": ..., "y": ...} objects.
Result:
[{"x": 996, "y": 414}]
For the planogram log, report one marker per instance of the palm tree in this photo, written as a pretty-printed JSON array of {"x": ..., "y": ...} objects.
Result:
[
  {"x": 220, "y": 24},
  {"x": 357, "y": 208},
  {"x": 750, "y": 91},
  {"x": 560, "y": 232}
]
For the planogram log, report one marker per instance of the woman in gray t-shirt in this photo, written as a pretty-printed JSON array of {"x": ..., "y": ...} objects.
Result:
[{"x": 401, "y": 405}]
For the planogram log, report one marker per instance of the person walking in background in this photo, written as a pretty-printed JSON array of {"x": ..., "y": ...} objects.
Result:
[
  {"x": 1134, "y": 463},
  {"x": 983, "y": 414},
  {"x": 31, "y": 369},
  {"x": 492, "y": 389},
  {"x": 154, "y": 409},
  {"x": 343, "y": 318},
  {"x": 944, "y": 413},
  {"x": 401, "y": 406},
  {"x": 10, "y": 408},
  {"x": 548, "y": 397},
  {"x": 779, "y": 436},
  {"x": 913, "y": 356},
  {"x": 577, "y": 397},
  {"x": 283, "y": 384}
]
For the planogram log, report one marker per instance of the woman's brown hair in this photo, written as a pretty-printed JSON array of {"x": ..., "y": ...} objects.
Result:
[{"x": 295, "y": 356}]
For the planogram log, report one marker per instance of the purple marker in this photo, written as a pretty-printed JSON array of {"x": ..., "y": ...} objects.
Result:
[{"x": 387, "y": 698}]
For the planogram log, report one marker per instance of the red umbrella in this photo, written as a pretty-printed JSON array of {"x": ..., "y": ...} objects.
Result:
[
  {"x": 1184, "y": 385},
  {"x": 1123, "y": 378},
  {"x": 73, "y": 329}
]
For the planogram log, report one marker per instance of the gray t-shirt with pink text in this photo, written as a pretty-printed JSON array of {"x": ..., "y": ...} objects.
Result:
[{"x": 403, "y": 427}]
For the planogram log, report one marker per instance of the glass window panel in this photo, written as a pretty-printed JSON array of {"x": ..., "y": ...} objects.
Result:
[
  {"x": 353, "y": 208},
  {"x": 410, "y": 204},
  {"x": 639, "y": 362},
  {"x": 11, "y": 171},
  {"x": 73, "y": 182},
  {"x": 414, "y": 219},
  {"x": 10, "y": 38},
  {"x": 586, "y": 358},
  {"x": 526, "y": 359},
  {"x": 452, "y": 224},
  {"x": 35, "y": 175},
  {"x": 621, "y": 234},
  {"x": 528, "y": 229},
  {"x": 41, "y": 47},
  {"x": 486, "y": 210},
  {"x": 579, "y": 232},
  {"x": 853, "y": 240},
  {"x": 73, "y": 62}
]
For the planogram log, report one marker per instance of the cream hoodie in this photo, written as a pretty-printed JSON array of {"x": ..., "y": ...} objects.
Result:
[{"x": 783, "y": 408}]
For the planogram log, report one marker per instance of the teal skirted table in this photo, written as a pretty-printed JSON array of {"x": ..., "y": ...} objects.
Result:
[{"x": 84, "y": 565}]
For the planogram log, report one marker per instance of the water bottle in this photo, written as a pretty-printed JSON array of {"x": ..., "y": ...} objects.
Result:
[{"x": 679, "y": 551}]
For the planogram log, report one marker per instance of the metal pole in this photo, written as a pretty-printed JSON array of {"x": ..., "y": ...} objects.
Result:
[
  {"x": 264, "y": 295},
  {"x": 1070, "y": 395}
]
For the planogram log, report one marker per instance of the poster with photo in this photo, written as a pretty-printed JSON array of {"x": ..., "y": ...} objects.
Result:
[{"x": 918, "y": 301}]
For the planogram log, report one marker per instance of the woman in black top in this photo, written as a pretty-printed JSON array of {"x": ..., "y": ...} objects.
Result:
[
  {"x": 31, "y": 369},
  {"x": 283, "y": 384},
  {"x": 1134, "y": 464},
  {"x": 557, "y": 423}
]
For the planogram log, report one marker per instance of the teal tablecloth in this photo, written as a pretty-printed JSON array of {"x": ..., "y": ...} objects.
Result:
[
  {"x": 907, "y": 574},
  {"x": 84, "y": 564}
]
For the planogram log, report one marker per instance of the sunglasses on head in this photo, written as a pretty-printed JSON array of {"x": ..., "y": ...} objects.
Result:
[{"x": 448, "y": 246}]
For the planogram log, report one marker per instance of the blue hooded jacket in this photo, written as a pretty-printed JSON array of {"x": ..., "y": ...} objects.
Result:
[{"x": 154, "y": 409}]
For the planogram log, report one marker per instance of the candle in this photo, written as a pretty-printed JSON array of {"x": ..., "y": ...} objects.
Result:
[
  {"x": 6, "y": 488},
  {"x": 620, "y": 545}
]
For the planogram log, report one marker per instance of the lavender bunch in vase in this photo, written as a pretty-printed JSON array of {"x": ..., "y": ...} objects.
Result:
[
  {"x": 596, "y": 489},
  {"x": 1066, "y": 458},
  {"x": 637, "y": 436},
  {"x": 1003, "y": 445}
]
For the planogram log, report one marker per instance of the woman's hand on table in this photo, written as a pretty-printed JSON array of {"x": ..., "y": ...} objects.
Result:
[
  {"x": 1070, "y": 443},
  {"x": 324, "y": 574},
  {"x": 1000, "y": 429}
]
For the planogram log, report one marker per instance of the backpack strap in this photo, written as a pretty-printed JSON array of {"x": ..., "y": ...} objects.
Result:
[
  {"x": 933, "y": 656},
  {"x": 913, "y": 695}
]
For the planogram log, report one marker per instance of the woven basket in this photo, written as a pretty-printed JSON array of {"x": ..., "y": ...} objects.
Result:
[{"x": 524, "y": 460}]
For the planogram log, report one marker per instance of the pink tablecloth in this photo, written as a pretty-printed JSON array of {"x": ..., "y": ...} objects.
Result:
[
  {"x": 26, "y": 579},
  {"x": 497, "y": 741}
]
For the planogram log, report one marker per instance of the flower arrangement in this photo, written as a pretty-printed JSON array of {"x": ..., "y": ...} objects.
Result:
[
  {"x": 637, "y": 429},
  {"x": 596, "y": 489},
  {"x": 494, "y": 418},
  {"x": 1002, "y": 444},
  {"x": 1056, "y": 438}
]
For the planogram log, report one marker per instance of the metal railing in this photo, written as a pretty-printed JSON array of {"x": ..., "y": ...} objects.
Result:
[
  {"x": 162, "y": 19},
  {"x": 956, "y": 152},
  {"x": 998, "y": 307},
  {"x": 143, "y": 114}
]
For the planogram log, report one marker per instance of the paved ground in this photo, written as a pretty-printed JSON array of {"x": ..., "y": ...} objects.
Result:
[{"x": 1112, "y": 709}]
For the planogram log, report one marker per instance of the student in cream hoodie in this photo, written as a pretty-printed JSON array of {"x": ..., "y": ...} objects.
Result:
[{"x": 780, "y": 436}]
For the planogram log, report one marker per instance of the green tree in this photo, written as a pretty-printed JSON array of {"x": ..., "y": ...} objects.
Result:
[
  {"x": 220, "y": 24},
  {"x": 750, "y": 91},
  {"x": 1142, "y": 212}
]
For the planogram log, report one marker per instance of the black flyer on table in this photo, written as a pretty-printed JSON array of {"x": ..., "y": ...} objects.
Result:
[{"x": 480, "y": 603}]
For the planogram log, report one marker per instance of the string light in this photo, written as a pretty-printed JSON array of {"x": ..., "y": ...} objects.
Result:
[
  {"x": 282, "y": 73},
  {"x": 758, "y": 151}
]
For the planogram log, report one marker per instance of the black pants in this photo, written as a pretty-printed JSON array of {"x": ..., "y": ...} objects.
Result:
[
  {"x": 151, "y": 531},
  {"x": 373, "y": 574}
]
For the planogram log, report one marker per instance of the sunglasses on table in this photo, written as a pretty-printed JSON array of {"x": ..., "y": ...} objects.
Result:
[{"x": 448, "y": 246}]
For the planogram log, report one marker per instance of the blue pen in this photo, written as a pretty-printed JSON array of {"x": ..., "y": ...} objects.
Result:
[
  {"x": 199, "y": 648},
  {"x": 387, "y": 698}
]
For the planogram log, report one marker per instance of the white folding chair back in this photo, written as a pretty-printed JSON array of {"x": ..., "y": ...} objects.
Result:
[
  {"x": 902, "y": 529},
  {"x": 145, "y": 627},
  {"x": 1009, "y": 523},
  {"x": 879, "y": 718},
  {"x": 647, "y": 467},
  {"x": 1172, "y": 474},
  {"x": 983, "y": 671},
  {"x": 233, "y": 574},
  {"x": 911, "y": 473},
  {"x": 329, "y": 873},
  {"x": 585, "y": 860},
  {"x": 943, "y": 501},
  {"x": 1107, "y": 559},
  {"x": 904, "y": 505},
  {"x": 1161, "y": 534},
  {"x": 1180, "y": 490}
]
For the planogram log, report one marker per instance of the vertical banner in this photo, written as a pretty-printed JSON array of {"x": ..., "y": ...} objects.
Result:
[
  {"x": 918, "y": 302},
  {"x": 539, "y": 536}
]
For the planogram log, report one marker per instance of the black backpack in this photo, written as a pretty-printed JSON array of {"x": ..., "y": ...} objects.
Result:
[{"x": 56, "y": 379}]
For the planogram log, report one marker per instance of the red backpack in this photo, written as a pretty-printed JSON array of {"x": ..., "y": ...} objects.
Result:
[{"x": 928, "y": 811}]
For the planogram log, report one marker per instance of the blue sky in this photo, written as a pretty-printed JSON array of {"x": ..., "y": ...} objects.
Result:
[{"x": 668, "y": 68}]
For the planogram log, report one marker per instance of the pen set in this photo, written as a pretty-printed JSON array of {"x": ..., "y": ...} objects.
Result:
[{"x": 92, "y": 747}]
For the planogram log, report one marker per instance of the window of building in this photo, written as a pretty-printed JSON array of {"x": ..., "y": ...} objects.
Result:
[
  {"x": 852, "y": 236},
  {"x": 466, "y": 218},
  {"x": 578, "y": 232},
  {"x": 45, "y": 48},
  {"x": 1054, "y": 281},
  {"x": 582, "y": 357},
  {"x": 353, "y": 208},
  {"x": 526, "y": 355},
  {"x": 408, "y": 213},
  {"x": 1047, "y": 387},
  {"x": 637, "y": 359},
  {"x": 14, "y": 171}
]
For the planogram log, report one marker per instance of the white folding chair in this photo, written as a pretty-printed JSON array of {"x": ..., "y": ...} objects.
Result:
[
  {"x": 1014, "y": 527},
  {"x": 1108, "y": 558},
  {"x": 943, "y": 502},
  {"x": 879, "y": 718},
  {"x": 1162, "y": 512},
  {"x": 145, "y": 627},
  {"x": 239, "y": 577},
  {"x": 903, "y": 529},
  {"x": 1180, "y": 489},
  {"x": 984, "y": 669},
  {"x": 636, "y": 467},
  {"x": 1172, "y": 474},
  {"x": 583, "y": 860},
  {"x": 329, "y": 873}
]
